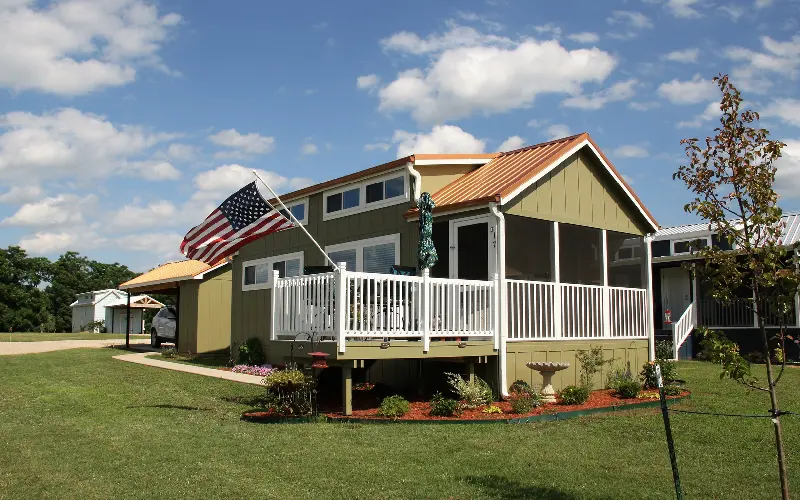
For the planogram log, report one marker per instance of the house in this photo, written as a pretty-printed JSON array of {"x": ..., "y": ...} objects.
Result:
[
  {"x": 203, "y": 300},
  {"x": 683, "y": 302},
  {"x": 109, "y": 307},
  {"x": 543, "y": 251}
]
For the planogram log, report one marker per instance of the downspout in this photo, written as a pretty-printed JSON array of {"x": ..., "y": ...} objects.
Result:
[
  {"x": 651, "y": 334},
  {"x": 501, "y": 271},
  {"x": 417, "y": 180}
]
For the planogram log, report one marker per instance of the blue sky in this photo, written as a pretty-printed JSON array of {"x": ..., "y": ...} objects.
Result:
[{"x": 123, "y": 122}]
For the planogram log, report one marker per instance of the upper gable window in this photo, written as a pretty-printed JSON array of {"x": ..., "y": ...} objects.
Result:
[
  {"x": 344, "y": 200},
  {"x": 683, "y": 247},
  {"x": 369, "y": 194},
  {"x": 385, "y": 190},
  {"x": 299, "y": 209}
]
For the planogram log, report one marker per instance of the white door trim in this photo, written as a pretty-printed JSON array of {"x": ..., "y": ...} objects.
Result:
[{"x": 492, "y": 241}]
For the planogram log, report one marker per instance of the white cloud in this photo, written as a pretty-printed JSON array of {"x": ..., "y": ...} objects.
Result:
[
  {"x": 62, "y": 210},
  {"x": 735, "y": 12},
  {"x": 377, "y": 146},
  {"x": 441, "y": 139},
  {"x": 21, "y": 194},
  {"x": 631, "y": 22},
  {"x": 788, "y": 110},
  {"x": 630, "y": 151},
  {"x": 165, "y": 245},
  {"x": 75, "y": 145},
  {"x": 368, "y": 82},
  {"x": 73, "y": 47},
  {"x": 557, "y": 131},
  {"x": 473, "y": 17},
  {"x": 584, "y": 37},
  {"x": 156, "y": 214},
  {"x": 221, "y": 182},
  {"x": 762, "y": 4},
  {"x": 512, "y": 143},
  {"x": 620, "y": 91},
  {"x": 44, "y": 243},
  {"x": 642, "y": 105},
  {"x": 406, "y": 42},
  {"x": 309, "y": 149},
  {"x": 778, "y": 58},
  {"x": 711, "y": 112},
  {"x": 157, "y": 171},
  {"x": 548, "y": 30},
  {"x": 683, "y": 9},
  {"x": 241, "y": 145},
  {"x": 691, "y": 91},
  {"x": 787, "y": 177},
  {"x": 181, "y": 152},
  {"x": 683, "y": 56},
  {"x": 462, "y": 78}
]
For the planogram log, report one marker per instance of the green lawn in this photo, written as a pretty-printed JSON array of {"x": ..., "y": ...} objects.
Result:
[
  {"x": 77, "y": 424},
  {"x": 38, "y": 337}
]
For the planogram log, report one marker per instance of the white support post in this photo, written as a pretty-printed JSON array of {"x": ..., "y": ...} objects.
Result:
[
  {"x": 426, "y": 310},
  {"x": 755, "y": 309},
  {"x": 496, "y": 311},
  {"x": 273, "y": 301},
  {"x": 340, "y": 277},
  {"x": 651, "y": 334},
  {"x": 606, "y": 292},
  {"x": 695, "y": 298},
  {"x": 556, "y": 283}
]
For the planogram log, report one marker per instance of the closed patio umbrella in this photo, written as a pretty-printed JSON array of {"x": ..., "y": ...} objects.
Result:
[{"x": 427, "y": 252}]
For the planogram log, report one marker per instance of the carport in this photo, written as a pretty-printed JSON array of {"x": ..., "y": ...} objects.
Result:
[{"x": 202, "y": 299}]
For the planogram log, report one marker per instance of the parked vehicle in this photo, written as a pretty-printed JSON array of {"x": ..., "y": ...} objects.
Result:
[{"x": 164, "y": 326}]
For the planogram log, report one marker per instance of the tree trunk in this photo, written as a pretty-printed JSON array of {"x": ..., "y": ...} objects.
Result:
[{"x": 776, "y": 419}]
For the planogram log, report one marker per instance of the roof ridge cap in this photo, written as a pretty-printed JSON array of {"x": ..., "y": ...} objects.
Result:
[{"x": 538, "y": 145}]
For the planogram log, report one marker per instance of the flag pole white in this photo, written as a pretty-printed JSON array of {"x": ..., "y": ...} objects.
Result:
[{"x": 295, "y": 221}]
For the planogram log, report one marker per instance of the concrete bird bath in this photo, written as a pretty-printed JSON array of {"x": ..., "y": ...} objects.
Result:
[{"x": 547, "y": 369}]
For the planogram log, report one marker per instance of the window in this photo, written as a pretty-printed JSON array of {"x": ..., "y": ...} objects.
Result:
[
  {"x": 375, "y": 255},
  {"x": 257, "y": 274},
  {"x": 625, "y": 265},
  {"x": 298, "y": 210},
  {"x": 369, "y": 194},
  {"x": 684, "y": 247}
]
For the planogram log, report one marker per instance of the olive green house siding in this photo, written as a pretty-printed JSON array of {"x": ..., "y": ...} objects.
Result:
[
  {"x": 579, "y": 191},
  {"x": 204, "y": 314},
  {"x": 435, "y": 177}
]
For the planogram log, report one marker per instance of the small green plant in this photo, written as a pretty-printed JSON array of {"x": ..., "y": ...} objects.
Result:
[
  {"x": 393, "y": 407},
  {"x": 492, "y": 409},
  {"x": 251, "y": 353},
  {"x": 524, "y": 402},
  {"x": 617, "y": 376},
  {"x": 592, "y": 362},
  {"x": 778, "y": 355},
  {"x": 95, "y": 326},
  {"x": 521, "y": 387},
  {"x": 169, "y": 352},
  {"x": 291, "y": 391},
  {"x": 668, "y": 367},
  {"x": 672, "y": 390},
  {"x": 444, "y": 407},
  {"x": 472, "y": 395},
  {"x": 574, "y": 395},
  {"x": 628, "y": 389}
]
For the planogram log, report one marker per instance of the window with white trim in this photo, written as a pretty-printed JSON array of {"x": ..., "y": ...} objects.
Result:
[
  {"x": 256, "y": 274},
  {"x": 369, "y": 194},
  {"x": 299, "y": 209},
  {"x": 374, "y": 255},
  {"x": 684, "y": 247}
]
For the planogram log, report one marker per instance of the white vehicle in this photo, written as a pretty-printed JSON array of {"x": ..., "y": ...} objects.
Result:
[{"x": 163, "y": 327}]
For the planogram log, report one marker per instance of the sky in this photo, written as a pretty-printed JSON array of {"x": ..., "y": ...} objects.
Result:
[{"x": 123, "y": 123}]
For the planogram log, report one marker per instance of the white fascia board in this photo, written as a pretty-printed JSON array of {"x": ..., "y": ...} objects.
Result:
[{"x": 460, "y": 161}]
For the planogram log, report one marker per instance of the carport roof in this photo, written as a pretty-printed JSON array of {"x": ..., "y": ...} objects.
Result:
[{"x": 170, "y": 274}]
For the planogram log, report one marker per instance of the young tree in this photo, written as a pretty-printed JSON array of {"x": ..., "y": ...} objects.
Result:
[{"x": 731, "y": 177}]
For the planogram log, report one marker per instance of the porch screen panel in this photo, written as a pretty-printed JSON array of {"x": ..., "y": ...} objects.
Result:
[
  {"x": 625, "y": 260},
  {"x": 347, "y": 256},
  {"x": 528, "y": 248},
  {"x": 379, "y": 258},
  {"x": 441, "y": 240},
  {"x": 581, "y": 253}
]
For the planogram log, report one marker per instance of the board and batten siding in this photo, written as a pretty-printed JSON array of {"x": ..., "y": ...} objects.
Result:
[
  {"x": 250, "y": 309},
  {"x": 580, "y": 191},
  {"x": 205, "y": 313}
]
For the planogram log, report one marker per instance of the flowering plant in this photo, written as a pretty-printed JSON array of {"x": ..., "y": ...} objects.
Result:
[{"x": 261, "y": 371}]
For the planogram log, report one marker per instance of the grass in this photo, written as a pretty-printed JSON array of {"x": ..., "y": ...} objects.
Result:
[
  {"x": 39, "y": 337},
  {"x": 78, "y": 424}
]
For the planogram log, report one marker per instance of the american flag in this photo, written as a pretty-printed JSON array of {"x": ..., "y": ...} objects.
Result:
[{"x": 244, "y": 217}]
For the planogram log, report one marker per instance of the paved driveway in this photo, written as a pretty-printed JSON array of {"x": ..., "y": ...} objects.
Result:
[{"x": 12, "y": 348}]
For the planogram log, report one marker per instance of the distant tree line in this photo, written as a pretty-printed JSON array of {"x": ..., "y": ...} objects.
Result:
[{"x": 36, "y": 293}]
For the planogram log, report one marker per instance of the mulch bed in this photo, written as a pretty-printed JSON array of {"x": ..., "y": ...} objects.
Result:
[{"x": 419, "y": 410}]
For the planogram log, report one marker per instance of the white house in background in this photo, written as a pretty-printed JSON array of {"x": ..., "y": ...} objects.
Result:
[{"x": 109, "y": 306}]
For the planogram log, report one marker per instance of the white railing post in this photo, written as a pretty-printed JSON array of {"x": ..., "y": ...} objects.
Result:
[
  {"x": 274, "y": 305},
  {"x": 556, "y": 283},
  {"x": 426, "y": 319},
  {"x": 605, "y": 293},
  {"x": 496, "y": 316},
  {"x": 341, "y": 303}
]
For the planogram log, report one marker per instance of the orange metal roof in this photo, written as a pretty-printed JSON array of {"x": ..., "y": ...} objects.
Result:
[
  {"x": 172, "y": 271},
  {"x": 499, "y": 178}
]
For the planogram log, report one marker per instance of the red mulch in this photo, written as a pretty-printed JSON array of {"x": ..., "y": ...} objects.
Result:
[{"x": 419, "y": 409}]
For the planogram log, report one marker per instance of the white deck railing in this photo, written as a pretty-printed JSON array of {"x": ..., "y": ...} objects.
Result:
[
  {"x": 382, "y": 306},
  {"x": 544, "y": 310},
  {"x": 683, "y": 328}
]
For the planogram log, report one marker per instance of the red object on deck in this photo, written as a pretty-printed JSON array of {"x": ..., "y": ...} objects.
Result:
[{"x": 318, "y": 359}]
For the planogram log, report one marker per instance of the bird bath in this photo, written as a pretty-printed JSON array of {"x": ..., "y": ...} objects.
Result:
[{"x": 547, "y": 369}]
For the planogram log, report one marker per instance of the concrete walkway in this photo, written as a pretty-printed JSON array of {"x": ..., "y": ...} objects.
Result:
[
  {"x": 14, "y": 348},
  {"x": 142, "y": 359}
]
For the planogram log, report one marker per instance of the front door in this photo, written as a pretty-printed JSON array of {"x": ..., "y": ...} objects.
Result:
[
  {"x": 473, "y": 253},
  {"x": 675, "y": 291}
]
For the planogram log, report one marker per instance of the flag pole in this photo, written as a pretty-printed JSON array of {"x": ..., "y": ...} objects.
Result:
[{"x": 295, "y": 221}]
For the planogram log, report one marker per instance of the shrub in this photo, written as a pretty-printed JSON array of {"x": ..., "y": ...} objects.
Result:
[
  {"x": 291, "y": 389},
  {"x": 591, "y": 361},
  {"x": 672, "y": 390},
  {"x": 473, "y": 395},
  {"x": 251, "y": 353},
  {"x": 668, "y": 367},
  {"x": 618, "y": 376},
  {"x": 524, "y": 402},
  {"x": 393, "y": 407},
  {"x": 628, "y": 389},
  {"x": 492, "y": 409},
  {"x": 444, "y": 407},
  {"x": 522, "y": 387},
  {"x": 169, "y": 352},
  {"x": 574, "y": 395}
]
